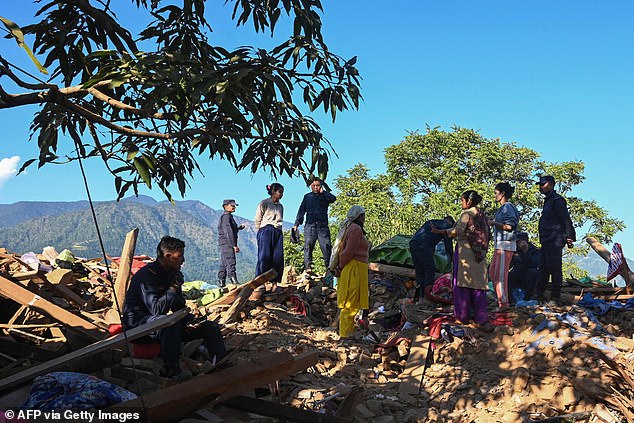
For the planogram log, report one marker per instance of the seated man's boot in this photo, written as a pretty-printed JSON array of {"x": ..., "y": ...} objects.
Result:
[{"x": 234, "y": 280}]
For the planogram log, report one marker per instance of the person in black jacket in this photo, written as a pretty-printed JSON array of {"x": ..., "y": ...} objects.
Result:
[
  {"x": 155, "y": 290},
  {"x": 228, "y": 243},
  {"x": 555, "y": 231},
  {"x": 524, "y": 269},
  {"x": 315, "y": 207},
  {"x": 422, "y": 247}
]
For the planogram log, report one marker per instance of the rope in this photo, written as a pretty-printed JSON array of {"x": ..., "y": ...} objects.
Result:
[{"x": 109, "y": 274}]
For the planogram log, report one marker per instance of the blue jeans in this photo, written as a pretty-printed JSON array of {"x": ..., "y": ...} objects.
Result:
[
  {"x": 270, "y": 251},
  {"x": 312, "y": 233}
]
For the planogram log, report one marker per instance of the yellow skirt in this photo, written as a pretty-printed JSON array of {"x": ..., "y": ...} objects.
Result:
[{"x": 352, "y": 294}]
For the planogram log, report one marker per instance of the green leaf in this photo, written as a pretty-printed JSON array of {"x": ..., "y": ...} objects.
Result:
[
  {"x": 15, "y": 30},
  {"x": 143, "y": 171}
]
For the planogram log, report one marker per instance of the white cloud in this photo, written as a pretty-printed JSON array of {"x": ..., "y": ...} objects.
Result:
[{"x": 8, "y": 168}]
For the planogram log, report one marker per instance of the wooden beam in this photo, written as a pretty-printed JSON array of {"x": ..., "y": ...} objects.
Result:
[
  {"x": 25, "y": 297},
  {"x": 125, "y": 266},
  {"x": 283, "y": 412},
  {"x": 92, "y": 349},
  {"x": 60, "y": 290},
  {"x": 416, "y": 364},
  {"x": 237, "y": 305},
  {"x": 253, "y": 284},
  {"x": 300, "y": 363},
  {"x": 170, "y": 404},
  {"x": 396, "y": 270}
]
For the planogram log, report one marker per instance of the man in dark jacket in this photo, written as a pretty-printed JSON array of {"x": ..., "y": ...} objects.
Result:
[
  {"x": 422, "y": 247},
  {"x": 154, "y": 291},
  {"x": 315, "y": 207},
  {"x": 524, "y": 269},
  {"x": 228, "y": 243},
  {"x": 555, "y": 231}
]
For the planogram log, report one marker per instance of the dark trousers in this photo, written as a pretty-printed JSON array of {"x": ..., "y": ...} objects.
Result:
[
  {"x": 172, "y": 336},
  {"x": 313, "y": 232},
  {"x": 424, "y": 264},
  {"x": 227, "y": 262},
  {"x": 550, "y": 268},
  {"x": 526, "y": 280},
  {"x": 270, "y": 251}
]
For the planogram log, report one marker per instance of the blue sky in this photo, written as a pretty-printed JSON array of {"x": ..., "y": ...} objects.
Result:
[{"x": 557, "y": 77}]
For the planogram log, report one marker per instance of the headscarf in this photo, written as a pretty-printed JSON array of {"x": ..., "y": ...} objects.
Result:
[{"x": 353, "y": 214}]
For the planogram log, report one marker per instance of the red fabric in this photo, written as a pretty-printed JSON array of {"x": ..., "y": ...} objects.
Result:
[
  {"x": 151, "y": 350},
  {"x": 435, "y": 324},
  {"x": 137, "y": 263},
  {"x": 430, "y": 296},
  {"x": 145, "y": 350},
  {"x": 500, "y": 319},
  {"x": 299, "y": 306}
]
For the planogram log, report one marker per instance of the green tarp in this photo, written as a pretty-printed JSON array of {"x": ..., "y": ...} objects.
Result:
[{"x": 395, "y": 251}]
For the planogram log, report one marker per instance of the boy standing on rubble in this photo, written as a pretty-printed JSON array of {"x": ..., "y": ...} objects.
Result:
[
  {"x": 154, "y": 291},
  {"x": 228, "y": 243}
]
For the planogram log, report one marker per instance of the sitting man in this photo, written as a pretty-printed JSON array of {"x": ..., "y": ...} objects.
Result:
[
  {"x": 524, "y": 266},
  {"x": 422, "y": 247},
  {"x": 156, "y": 290}
]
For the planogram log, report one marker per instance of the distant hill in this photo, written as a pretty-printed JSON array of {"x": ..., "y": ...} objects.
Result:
[
  {"x": 35, "y": 225},
  {"x": 31, "y": 226}
]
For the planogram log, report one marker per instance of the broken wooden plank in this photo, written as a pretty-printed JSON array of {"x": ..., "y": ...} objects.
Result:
[
  {"x": 300, "y": 363},
  {"x": 125, "y": 267},
  {"x": 25, "y": 297},
  {"x": 95, "y": 348},
  {"x": 283, "y": 412},
  {"x": 412, "y": 376},
  {"x": 256, "y": 282},
  {"x": 395, "y": 270},
  {"x": 171, "y": 403},
  {"x": 60, "y": 290},
  {"x": 244, "y": 295}
]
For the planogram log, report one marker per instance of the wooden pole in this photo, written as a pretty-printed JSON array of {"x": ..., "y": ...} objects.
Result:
[{"x": 125, "y": 267}]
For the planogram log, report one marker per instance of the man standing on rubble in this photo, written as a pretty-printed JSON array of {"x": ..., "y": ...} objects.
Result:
[
  {"x": 555, "y": 231},
  {"x": 154, "y": 291},
  {"x": 228, "y": 243},
  {"x": 422, "y": 247},
  {"x": 315, "y": 207}
]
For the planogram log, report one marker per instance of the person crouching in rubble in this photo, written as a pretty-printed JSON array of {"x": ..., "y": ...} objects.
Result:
[
  {"x": 156, "y": 290},
  {"x": 349, "y": 263},
  {"x": 470, "y": 281}
]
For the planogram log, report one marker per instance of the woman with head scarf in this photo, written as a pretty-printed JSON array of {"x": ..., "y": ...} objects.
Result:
[
  {"x": 349, "y": 262},
  {"x": 470, "y": 281}
]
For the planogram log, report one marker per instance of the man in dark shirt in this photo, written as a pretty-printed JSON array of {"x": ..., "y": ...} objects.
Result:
[
  {"x": 154, "y": 291},
  {"x": 228, "y": 243},
  {"x": 524, "y": 268},
  {"x": 315, "y": 207},
  {"x": 555, "y": 231},
  {"x": 422, "y": 247}
]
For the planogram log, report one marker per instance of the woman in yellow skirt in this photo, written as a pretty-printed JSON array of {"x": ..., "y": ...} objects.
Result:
[{"x": 349, "y": 262}]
